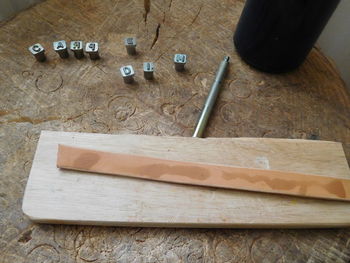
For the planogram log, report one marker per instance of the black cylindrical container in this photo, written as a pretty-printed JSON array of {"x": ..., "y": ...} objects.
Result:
[{"x": 276, "y": 35}]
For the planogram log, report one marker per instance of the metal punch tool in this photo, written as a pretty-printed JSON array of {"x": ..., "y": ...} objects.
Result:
[
  {"x": 38, "y": 52},
  {"x": 210, "y": 102},
  {"x": 92, "y": 49},
  {"x": 61, "y": 48},
  {"x": 148, "y": 69},
  {"x": 77, "y": 48},
  {"x": 128, "y": 74},
  {"x": 180, "y": 62},
  {"x": 130, "y": 44}
]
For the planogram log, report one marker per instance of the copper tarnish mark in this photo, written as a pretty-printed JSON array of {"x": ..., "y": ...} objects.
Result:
[
  {"x": 159, "y": 170},
  {"x": 86, "y": 160},
  {"x": 335, "y": 187}
]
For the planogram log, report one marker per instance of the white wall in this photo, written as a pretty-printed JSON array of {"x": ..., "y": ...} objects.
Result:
[
  {"x": 11, "y": 7},
  {"x": 335, "y": 39}
]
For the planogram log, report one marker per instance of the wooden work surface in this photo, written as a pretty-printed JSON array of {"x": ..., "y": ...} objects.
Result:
[
  {"x": 81, "y": 95},
  {"x": 56, "y": 195}
]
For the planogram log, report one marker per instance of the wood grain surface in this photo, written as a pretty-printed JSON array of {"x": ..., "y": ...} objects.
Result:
[
  {"x": 56, "y": 195},
  {"x": 212, "y": 173},
  {"x": 90, "y": 96}
]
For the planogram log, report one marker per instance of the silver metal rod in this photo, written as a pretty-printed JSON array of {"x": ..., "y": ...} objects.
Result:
[{"x": 210, "y": 102}]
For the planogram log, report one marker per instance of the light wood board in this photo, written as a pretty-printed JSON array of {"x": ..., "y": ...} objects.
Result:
[{"x": 60, "y": 196}]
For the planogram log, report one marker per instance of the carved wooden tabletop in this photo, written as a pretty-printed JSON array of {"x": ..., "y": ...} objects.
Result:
[{"x": 90, "y": 96}]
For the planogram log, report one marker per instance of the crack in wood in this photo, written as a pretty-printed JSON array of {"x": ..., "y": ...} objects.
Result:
[
  {"x": 26, "y": 237},
  {"x": 79, "y": 115},
  {"x": 196, "y": 16},
  {"x": 147, "y": 7},
  {"x": 4, "y": 112},
  {"x": 26, "y": 119},
  {"x": 165, "y": 11},
  {"x": 23, "y": 119},
  {"x": 156, "y": 36},
  {"x": 163, "y": 20}
]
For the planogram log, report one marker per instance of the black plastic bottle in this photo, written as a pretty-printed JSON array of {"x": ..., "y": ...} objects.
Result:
[{"x": 276, "y": 35}]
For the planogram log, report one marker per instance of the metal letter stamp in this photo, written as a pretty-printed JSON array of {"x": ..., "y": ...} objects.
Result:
[
  {"x": 92, "y": 49},
  {"x": 61, "y": 48},
  {"x": 148, "y": 69},
  {"x": 38, "y": 52},
  {"x": 130, "y": 44},
  {"x": 127, "y": 73},
  {"x": 180, "y": 61},
  {"x": 77, "y": 48}
]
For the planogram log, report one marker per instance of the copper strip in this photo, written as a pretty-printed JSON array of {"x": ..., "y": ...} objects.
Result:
[{"x": 202, "y": 174}]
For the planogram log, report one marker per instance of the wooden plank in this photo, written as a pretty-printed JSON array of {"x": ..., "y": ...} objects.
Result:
[
  {"x": 64, "y": 196},
  {"x": 203, "y": 174}
]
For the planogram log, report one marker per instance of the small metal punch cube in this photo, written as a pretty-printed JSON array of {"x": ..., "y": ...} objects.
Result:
[
  {"x": 180, "y": 61},
  {"x": 127, "y": 73},
  {"x": 92, "y": 49},
  {"x": 38, "y": 52},
  {"x": 130, "y": 44},
  {"x": 77, "y": 48},
  {"x": 148, "y": 69},
  {"x": 61, "y": 48}
]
